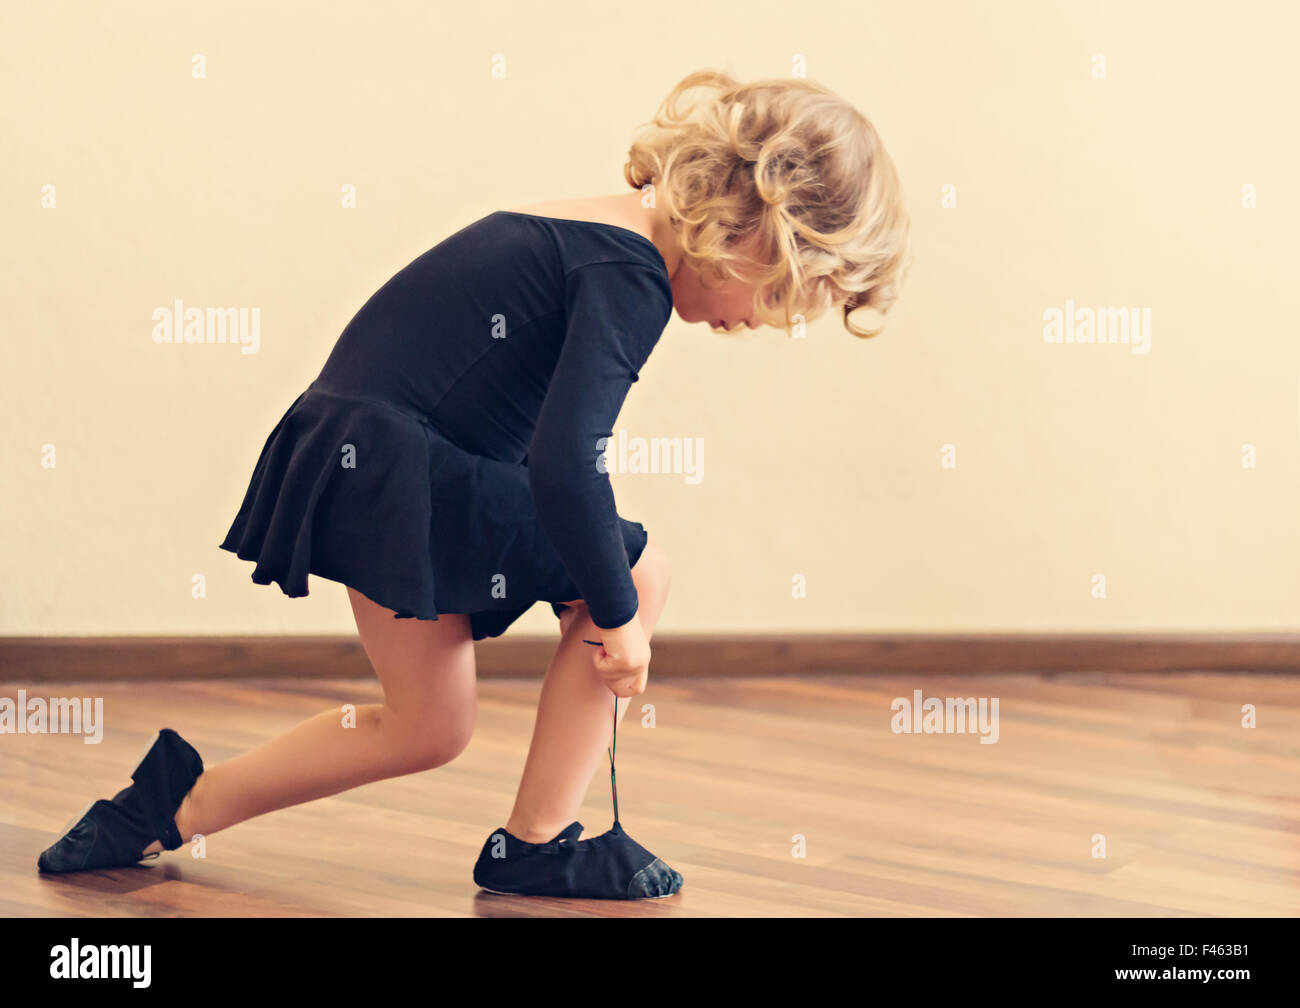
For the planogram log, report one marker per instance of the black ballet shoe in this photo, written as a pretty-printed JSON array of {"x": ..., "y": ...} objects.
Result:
[
  {"x": 609, "y": 866},
  {"x": 114, "y": 833}
]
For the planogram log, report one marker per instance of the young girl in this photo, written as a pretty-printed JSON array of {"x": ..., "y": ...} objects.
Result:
[{"x": 444, "y": 468}]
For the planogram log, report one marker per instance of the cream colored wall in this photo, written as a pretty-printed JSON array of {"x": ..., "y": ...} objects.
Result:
[{"x": 822, "y": 456}]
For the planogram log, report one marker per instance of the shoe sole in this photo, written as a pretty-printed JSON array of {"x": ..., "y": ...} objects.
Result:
[{"x": 498, "y": 892}]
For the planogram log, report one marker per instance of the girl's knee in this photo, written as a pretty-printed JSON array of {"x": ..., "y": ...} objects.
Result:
[
  {"x": 653, "y": 572},
  {"x": 431, "y": 741}
]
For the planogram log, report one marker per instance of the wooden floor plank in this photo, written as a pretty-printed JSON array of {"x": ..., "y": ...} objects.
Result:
[{"x": 1201, "y": 815}]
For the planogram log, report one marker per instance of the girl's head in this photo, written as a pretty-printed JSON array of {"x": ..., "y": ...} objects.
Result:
[{"x": 783, "y": 200}]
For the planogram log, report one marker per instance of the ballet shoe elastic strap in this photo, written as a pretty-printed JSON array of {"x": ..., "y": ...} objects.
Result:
[{"x": 613, "y": 785}]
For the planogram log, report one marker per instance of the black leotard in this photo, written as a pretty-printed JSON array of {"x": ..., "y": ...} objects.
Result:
[{"x": 510, "y": 347}]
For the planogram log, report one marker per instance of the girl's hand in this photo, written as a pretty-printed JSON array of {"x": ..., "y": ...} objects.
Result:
[{"x": 623, "y": 658}]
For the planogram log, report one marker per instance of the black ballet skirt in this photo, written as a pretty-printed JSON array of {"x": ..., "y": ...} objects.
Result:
[
  {"x": 403, "y": 470},
  {"x": 417, "y": 524}
]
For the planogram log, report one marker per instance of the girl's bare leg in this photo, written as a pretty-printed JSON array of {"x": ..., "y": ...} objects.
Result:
[
  {"x": 575, "y": 716},
  {"x": 427, "y": 717}
]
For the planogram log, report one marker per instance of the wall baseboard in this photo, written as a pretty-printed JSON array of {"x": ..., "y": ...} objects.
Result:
[{"x": 120, "y": 659}]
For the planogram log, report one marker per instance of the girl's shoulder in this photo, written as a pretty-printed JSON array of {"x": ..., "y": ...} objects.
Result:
[
  {"x": 583, "y": 211},
  {"x": 598, "y": 235}
]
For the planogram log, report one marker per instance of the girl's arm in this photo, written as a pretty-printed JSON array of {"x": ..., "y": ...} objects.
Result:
[{"x": 616, "y": 312}]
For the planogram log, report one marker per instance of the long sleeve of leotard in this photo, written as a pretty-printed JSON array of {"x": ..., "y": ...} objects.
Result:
[{"x": 616, "y": 312}]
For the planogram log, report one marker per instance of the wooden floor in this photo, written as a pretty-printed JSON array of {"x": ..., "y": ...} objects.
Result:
[{"x": 1200, "y": 815}]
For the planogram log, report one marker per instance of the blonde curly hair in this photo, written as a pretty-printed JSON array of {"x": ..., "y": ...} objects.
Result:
[{"x": 796, "y": 168}]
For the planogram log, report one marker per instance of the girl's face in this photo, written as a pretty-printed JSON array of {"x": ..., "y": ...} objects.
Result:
[{"x": 724, "y": 306}]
